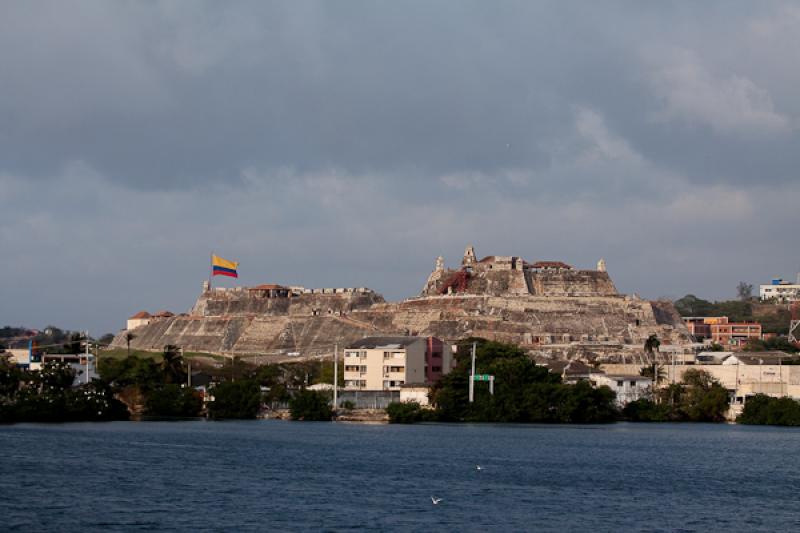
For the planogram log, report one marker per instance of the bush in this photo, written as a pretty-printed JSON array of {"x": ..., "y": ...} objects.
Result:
[
  {"x": 644, "y": 410},
  {"x": 408, "y": 413},
  {"x": 235, "y": 399},
  {"x": 172, "y": 401},
  {"x": 763, "y": 410},
  {"x": 310, "y": 405}
]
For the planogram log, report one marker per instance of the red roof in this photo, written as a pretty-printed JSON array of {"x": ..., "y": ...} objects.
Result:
[
  {"x": 267, "y": 287},
  {"x": 141, "y": 314}
]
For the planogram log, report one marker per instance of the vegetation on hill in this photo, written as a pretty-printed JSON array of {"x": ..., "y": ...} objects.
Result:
[
  {"x": 773, "y": 318},
  {"x": 776, "y": 344}
]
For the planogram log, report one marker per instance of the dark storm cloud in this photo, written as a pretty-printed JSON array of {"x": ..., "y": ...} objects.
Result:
[{"x": 294, "y": 136}]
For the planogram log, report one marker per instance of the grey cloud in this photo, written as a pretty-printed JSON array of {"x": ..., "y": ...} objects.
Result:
[{"x": 350, "y": 143}]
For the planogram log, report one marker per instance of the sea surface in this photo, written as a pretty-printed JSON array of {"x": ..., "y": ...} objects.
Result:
[{"x": 297, "y": 476}]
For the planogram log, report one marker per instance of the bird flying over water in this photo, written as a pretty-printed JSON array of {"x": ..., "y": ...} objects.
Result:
[
  {"x": 478, "y": 467},
  {"x": 435, "y": 500}
]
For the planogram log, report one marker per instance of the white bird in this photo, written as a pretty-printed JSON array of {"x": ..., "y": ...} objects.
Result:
[
  {"x": 478, "y": 467},
  {"x": 435, "y": 500}
]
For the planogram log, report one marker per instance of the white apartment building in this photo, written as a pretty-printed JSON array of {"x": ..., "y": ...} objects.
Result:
[
  {"x": 387, "y": 363},
  {"x": 780, "y": 291}
]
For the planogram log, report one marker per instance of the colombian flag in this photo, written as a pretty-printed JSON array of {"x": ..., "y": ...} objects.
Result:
[{"x": 223, "y": 267}]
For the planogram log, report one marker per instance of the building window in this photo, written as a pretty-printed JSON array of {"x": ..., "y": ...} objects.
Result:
[
  {"x": 633, "y": 383},
  {"x": 436, "y": 369},
  {"x": 619, "y": 383}
]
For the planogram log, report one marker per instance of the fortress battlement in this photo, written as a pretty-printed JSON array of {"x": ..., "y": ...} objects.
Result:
[{"x": 547, "y": 307}]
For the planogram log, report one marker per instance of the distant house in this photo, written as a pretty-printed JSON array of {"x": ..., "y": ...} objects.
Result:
[
  {"x": 570, "y": 371},
  {"x": 719, "y": 330},
  {"x": 142, "y": 318},
  {"x": 628, "y": 388},
  {"x": 780, "y": 291},
  {"x": 759, "y": 358},
  {"x": 711, "y": 358}
]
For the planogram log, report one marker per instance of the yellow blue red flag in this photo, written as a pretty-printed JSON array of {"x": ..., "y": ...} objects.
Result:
[{"x": 223, "y": 267}]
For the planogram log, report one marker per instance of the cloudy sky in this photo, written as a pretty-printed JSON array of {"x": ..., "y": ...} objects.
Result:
[{"x": 350, "y": 143}]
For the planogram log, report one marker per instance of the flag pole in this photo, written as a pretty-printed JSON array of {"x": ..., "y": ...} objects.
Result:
[{"x": 210, "y": 270}]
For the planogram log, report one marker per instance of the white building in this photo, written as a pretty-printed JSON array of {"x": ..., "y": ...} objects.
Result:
[
  {"x": 628, "y": 388},
  {"x": 142, "y": 318},
  {"x": 388, "y": 363},
  {"x": 780, "y": 291}
]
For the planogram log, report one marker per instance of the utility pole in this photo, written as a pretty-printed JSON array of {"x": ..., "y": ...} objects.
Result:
[
  {"x": 472, "y": 377},
  {"x": 335, "y": 376},
  {"x": 87, "y": 355}
]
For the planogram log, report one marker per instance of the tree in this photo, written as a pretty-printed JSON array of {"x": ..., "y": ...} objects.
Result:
[
  {"x": 235, "y": 399},
  {"x": 763, "y": 410},
  {"x": 524, "y": 391},
  {"x": 655, "y": 372},
  {"x": 128, "y": 338},
  {"x": 691, "y": 305},
  {"x": 744, "y": 291},
  {"x": 73, "y": 344},
  {"x": 705, "y": 400},
  {"x": 172, "y": 365},
  {"x": 174, "y": 401},
  {"x": 310, "y": 405},
  {"x": 651, "y": 346}
]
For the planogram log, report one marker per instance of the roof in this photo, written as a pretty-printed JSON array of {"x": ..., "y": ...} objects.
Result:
[
  {"x": 267, "y": 287},
  {"x": 141, "y": 314},
  {"x": 760, "y": 358},
  {"x": 383, "y": 342},
  {"x": 164, "y": 314},
  {"x": 551, "y": 264},
  {"x": 626, "y": 377}
]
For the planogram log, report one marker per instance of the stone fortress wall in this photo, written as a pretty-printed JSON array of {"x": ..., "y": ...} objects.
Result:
[{"x": 547, "y": 307}]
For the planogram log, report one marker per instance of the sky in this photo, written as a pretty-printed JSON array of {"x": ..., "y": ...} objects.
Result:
[{"x": 346, "y": 144}]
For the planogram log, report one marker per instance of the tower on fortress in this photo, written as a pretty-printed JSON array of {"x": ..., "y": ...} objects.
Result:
[{"x": 469, "y": 259}]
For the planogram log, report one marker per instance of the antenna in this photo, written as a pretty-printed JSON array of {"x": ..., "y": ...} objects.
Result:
[{"x": 794, "y": 324}]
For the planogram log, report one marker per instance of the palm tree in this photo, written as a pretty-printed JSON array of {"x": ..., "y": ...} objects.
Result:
[
  {"x": 651, "y": 346},
  {"x": 128, "y": 338},
  {"x": 172, "y": 364}
]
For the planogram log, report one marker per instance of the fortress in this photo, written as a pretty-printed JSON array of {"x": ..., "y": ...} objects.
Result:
[{"x": 547, "y": 307}]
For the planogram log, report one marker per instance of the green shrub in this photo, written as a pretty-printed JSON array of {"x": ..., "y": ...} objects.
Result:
[
  {"x": 235, "y": 399},
  {"x": 763, "y": 410},
  {"x": 310, "y": 405},
  {"x": 407, "y": 413},
  {"x": 173, "y": 401}
]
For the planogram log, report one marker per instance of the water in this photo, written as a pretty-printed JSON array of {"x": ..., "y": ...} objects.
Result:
[{"x": 277, "y": 476}]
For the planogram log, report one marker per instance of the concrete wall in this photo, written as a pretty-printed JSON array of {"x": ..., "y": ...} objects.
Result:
[{"x": 773, "y": 380}]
